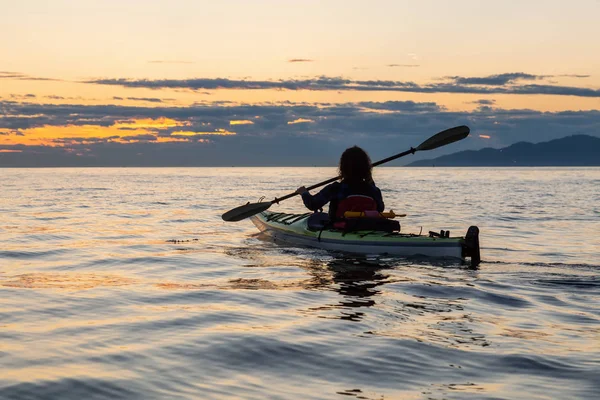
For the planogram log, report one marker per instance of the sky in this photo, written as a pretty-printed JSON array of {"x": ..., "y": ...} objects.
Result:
[{"x": 158, "y": 83}]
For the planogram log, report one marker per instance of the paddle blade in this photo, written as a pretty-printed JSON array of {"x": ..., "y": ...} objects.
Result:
[
  {"x": 245, "y": 211},
  {"x": 445, "y": 137}
]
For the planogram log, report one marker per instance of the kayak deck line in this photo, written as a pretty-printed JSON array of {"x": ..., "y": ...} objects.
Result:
[
  {"x": 293, "y": 229},
  {"x": 287, "y": 218}
]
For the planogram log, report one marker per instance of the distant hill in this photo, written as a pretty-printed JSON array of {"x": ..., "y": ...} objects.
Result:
[{"x": 576, "y": 150}]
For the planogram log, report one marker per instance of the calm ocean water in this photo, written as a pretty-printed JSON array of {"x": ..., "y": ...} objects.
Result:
[{"x": 126, "y": 283}]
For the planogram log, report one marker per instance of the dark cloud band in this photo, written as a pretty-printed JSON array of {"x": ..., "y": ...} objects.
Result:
[
  {"x": 270, "y": 139},
  {"x": 495, "y": 84}
]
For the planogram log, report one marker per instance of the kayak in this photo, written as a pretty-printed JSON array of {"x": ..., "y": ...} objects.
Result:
[{"x": 301, "y": 230}]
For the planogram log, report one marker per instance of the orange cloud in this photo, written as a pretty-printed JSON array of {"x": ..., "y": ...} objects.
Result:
[
  {"x": 149, "y": 123},
  {"x": 300, "y": 121},
  {"x": 60, "y": 136},
  {"x": 222, "y": 132},
  {"x": 173, "y": 139},
  {"x": 241, "y": 122},
  {"x": 51, "y": 135},
  {"x": 485, "y": 136}
]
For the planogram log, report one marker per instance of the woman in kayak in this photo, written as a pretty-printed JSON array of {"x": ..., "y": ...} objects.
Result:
[{"x": 355, "y": 192}]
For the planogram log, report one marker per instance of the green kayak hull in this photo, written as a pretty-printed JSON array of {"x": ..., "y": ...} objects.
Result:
[{"x": 292, "y": 229}]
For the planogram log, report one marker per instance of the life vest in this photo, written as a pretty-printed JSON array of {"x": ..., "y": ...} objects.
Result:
[{"x": 355, "y": 202}]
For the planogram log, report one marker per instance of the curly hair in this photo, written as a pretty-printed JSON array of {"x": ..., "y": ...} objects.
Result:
[{"x": 355, "y": 166}]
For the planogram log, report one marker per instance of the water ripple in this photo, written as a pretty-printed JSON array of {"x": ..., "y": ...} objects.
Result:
[{"x": 125, "y": 283}]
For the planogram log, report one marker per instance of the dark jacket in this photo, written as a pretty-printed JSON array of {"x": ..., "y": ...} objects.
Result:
[{"x": 337, "y": 191}]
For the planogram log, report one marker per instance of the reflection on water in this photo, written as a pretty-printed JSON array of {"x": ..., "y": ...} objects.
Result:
[
  {"x": 356, "y": 280},
  {"x": 125, "y": 283},
  {"x": 65, "y": 281}
]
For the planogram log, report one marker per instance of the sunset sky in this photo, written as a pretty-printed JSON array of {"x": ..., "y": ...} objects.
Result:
[{"x": 288, "y": 82}]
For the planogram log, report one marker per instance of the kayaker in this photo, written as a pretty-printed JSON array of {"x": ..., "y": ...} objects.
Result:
[{"x": 355, "y": 192}]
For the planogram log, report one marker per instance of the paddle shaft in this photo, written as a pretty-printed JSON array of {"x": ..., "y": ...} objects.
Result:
[
  {"x": 439, "y": 139},
  {"x": 331, "y": 180}
]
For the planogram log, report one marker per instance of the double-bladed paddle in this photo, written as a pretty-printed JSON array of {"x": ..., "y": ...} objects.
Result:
[{"x": 438, "y": 140}]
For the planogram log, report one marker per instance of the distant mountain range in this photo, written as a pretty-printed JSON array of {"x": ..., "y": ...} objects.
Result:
[{"x": 576, "y": 150}]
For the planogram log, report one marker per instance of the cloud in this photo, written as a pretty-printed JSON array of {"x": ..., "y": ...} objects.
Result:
[
  {"x": 484, "y": 102},
  {"x": 170, "y": 62},
  {"x": 497, "y": 80},
  {"x": 404, "y": 106},
  {"x": 300, "y": 60},
  {"x": 403, "y": 65},
  {"x": 229, "y": 151},
  {"x": 507, "y": 78},
  {"x": 300, "y": 121},
  {"x": 269, "y": 118},
  {"x": 316, "y": 135},
  {"x": 9, "y": 73},
  {"x": 148, "y": 99},
  {"x": 574, "y": 76},
  {"x": 217, "y": 132},
  {"x": 23, "y": 96},
  {"x": 7, "y": 132},
  {"x": 142, "y": 138},
  {"x": 23, "y": 77},
  {"x": 74, "y": 142},
  {"x": 494, "y": 84}
]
